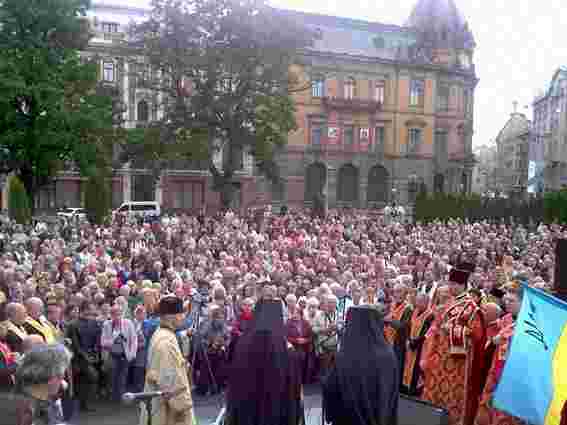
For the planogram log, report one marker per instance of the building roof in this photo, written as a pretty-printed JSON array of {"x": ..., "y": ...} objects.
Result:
[
  {"x": 346, "y": 36},
  {"x": 441, "y": 15},
  {"x": 338, "y": 35},
  {"x": 427, "y": 10},
  {"x": 552, "y": 87}
]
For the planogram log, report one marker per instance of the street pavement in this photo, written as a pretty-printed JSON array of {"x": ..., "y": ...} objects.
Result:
[{"x": 206, "y": 410}]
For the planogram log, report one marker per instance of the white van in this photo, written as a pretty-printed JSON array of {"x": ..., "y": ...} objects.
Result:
[{"x": 139, "y": 209}]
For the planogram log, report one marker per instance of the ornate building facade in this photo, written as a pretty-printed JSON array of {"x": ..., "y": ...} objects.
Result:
[
  {"x": 512, "y": 155},
  {"x": 385, "y": 106},
  {"x": 548, "y": 149}
]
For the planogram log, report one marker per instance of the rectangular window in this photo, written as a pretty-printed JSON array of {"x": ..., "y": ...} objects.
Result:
[
  {"x": 417, "y": 92},
  {"x": 350, "y": 88},
  {"x": 467, "y": 101},
  {"x": 414, "y": 140},
  {"x": 443, "y": 93},
  {"x": 109, "y": 27},
  {"x": 316, "y": 134},
  {"x": 108, "y": 71},
  {"x": 318, "y": 88},
  {"x": 380, "y": 91},
  {"x": 348, "y": 135},
  {"x": 379, "y": 138}
]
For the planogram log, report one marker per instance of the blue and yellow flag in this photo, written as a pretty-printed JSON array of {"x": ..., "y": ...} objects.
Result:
[{"x": 533, "y": 385}]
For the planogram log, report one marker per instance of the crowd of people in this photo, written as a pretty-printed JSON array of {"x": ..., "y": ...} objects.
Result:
[{"x": 449, "y": 293}]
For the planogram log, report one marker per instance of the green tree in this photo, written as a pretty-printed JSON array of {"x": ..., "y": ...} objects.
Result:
[
  {"x": 221, "y": 71},
  {"x": 98, "y": 197},
  {"x": 18, "y": 201},
  {"x": 53, "y": 111}
]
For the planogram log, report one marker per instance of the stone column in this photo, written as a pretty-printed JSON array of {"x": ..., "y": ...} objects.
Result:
[
  {"x": 362, "y": 201},
  {"x": 126, "y": 183},
  {"x": 126, "y": 90},
  {"x": 331, "y": 187},
  {"x": 159, "y": 190}
]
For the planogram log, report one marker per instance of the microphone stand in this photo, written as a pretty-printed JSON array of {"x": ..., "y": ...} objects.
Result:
[{"x": 148, "y": 404}]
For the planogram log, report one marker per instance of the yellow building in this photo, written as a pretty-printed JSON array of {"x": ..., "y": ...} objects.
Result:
[{"x": 388, "y": 107}]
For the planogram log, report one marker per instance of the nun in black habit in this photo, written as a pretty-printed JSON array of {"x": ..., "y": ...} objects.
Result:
[
  {"x": 264, "y": 383},
  {"x": 363, "y": 387}
]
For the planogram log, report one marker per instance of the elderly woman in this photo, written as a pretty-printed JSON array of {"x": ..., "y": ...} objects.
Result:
[
  {"x": 212, "y": 355},
  {"x": 39, "y": 379},
  {"x": 120, "y": 340}
]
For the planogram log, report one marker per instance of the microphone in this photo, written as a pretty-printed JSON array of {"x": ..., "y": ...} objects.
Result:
[{"x": 130, "y": 398}]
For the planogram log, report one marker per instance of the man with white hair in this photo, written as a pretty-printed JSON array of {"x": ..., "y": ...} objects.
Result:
[
  {"x": 326, "y": 333},
  {"x": 36, "y": 323}
]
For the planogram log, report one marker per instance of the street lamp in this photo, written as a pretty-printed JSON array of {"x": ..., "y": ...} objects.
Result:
[{"x": 412, "y": 187}]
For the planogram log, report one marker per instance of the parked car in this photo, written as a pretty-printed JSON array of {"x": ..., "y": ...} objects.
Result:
[
  {"x": 73, "y": 214},
  {"x": 143, "y": 210}
]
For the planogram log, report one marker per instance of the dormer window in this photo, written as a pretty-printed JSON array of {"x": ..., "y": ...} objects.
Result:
[{"x": 109, "y": 27}]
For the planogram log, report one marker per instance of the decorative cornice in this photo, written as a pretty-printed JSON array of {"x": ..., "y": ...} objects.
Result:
[{"x": 416, "y": 122}]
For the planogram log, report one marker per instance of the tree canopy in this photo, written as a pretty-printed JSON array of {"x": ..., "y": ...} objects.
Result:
[
  {"x": 53, "y": 110},
  {"x": 221, "y": 69}
]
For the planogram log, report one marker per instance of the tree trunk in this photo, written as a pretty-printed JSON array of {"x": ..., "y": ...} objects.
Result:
[
  {"x": 227, "y": 191},
  {"x": 29, "y": 181}
]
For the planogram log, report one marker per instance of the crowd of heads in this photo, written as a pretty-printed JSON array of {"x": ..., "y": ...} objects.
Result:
[{"x": 71, "y": 270}]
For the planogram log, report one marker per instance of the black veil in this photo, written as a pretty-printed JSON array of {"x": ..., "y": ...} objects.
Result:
[
  {"x": 363, "y": 388},
  {"x": 259, "y": 377}
]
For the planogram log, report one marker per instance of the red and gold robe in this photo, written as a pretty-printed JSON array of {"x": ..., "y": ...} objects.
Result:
[
  {"x": 419, "y": 325},
  {"x": 488, "y": 415},
  {"x": 432, "y": 333},
  {"x": 452, "y": 380},
  {"x": 398, "y": 312}
]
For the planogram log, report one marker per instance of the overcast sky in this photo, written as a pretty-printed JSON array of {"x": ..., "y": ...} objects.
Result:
[{"x": 519, "y": 46}]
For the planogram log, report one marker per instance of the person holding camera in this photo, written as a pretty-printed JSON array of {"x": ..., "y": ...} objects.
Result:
[
  {"x": 39, "y": 379},
  {"x": 120, "y": 341}
]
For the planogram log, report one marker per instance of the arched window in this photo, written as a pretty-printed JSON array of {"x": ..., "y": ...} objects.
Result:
[
  {"x": 350, "y": 88},
  {"x": 379, "y": 43},
  {"x": 143, "y": 111}
]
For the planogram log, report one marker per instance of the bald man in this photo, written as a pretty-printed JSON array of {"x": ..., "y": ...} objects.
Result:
[
  {"x": 398, "y": 322},
  {"x": 36, "y": 323},
  {"x": 16, "y": 333},
  {"x": 492, "y": 313},
  {"x": 421, "y": 320}
]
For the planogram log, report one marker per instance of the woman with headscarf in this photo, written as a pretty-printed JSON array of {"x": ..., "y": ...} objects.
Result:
[
  {"x": 363, "y": 387},
  {"x": 211, "y": 357},
  {"x": 264, "y": 382}
]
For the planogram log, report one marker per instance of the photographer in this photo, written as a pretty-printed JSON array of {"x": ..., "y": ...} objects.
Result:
[
  {"x": 39, "y": 379},
  {"x": 119, "y": 340}
]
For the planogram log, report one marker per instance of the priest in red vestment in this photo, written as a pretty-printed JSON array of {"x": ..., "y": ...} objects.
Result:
[
  {"x": 452, "y": 380},
  {"x": 488, "y": 415}
]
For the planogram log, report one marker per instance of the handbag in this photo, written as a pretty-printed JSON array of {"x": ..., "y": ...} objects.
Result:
[{"x": 117, "y": 348}]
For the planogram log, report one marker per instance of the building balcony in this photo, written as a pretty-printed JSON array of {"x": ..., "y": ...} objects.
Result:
[
  {"x": 108, "y": 37},
  {"x": 354, "y": 104},
  {"x": 372, "y": 151}
]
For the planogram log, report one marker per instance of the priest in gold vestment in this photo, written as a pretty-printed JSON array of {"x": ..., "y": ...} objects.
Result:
[{"x": 167, "y": 370}]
